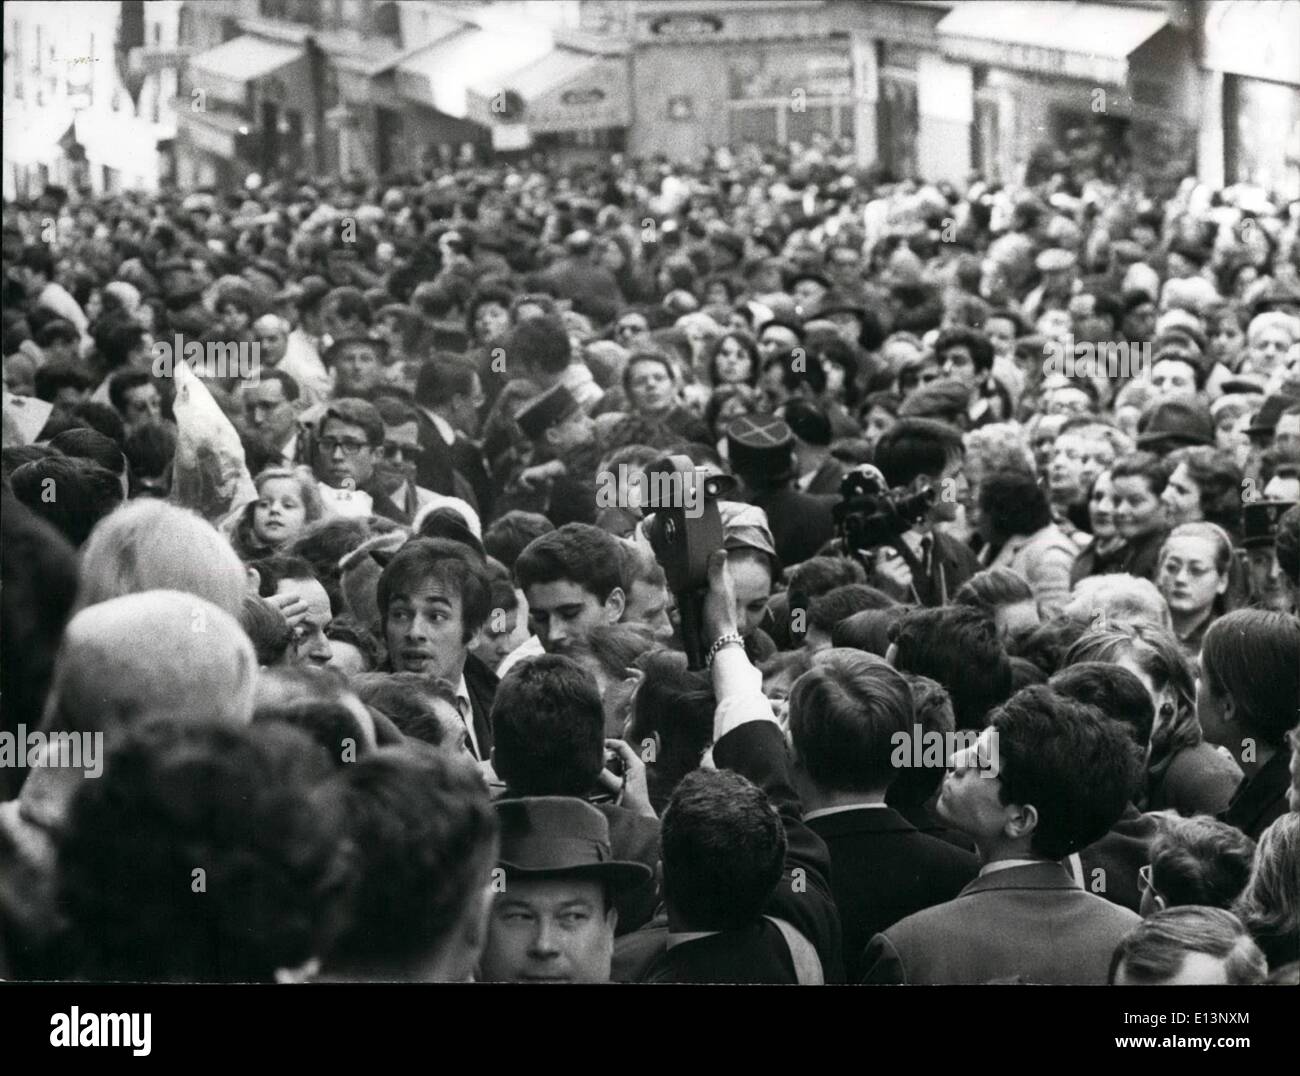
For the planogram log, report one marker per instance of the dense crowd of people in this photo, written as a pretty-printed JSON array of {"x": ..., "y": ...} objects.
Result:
[{"x": 322, "y": 525}]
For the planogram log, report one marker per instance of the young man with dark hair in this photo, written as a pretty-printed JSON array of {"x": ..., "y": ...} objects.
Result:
[
  {"x": 548, "y": 725},
  {"x": 448, "y": 397},
  {"x": 510, "y": 534},
  {"x": 348, "y": 445},
  {"x": 85, "y": 493},
  {"x": 1046, "y": 778},
  {"x": 425, "y": 837},
  {"x": 1195, "y": 861},
  {"x": 135, "y": 396},
  {"x": 957, "y": 646},
  {"x": 434, "y": 598},
  {"x": 917, "y": 452},
  {"x": 572, "y": 579},
  {"x": 848, "y": 716},
  {"x": 64, "y": 384}
]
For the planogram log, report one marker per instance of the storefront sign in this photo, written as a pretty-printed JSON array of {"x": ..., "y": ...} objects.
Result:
[
  {"x": 686, "y": 26},
  {"x": 782, "y": 73},
  {"x": 210, "y": 139},
  {"x": 577, "y": 98},
  {"x": 1036, "y": 58}
]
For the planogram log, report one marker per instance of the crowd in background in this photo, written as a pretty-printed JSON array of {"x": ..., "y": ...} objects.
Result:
[{"x": 319, "y": 511}]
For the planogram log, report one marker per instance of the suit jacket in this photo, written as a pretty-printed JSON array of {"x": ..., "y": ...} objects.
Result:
[
  {"x": 1022, "y": 924},
  {"x": 481, "y": 683},
  {"x": 440, "y": 467},
  {"x": 1118, "y": 856},
  {"x": 801, "y": 523},
  {"x": 633, "y": 837},
  {"x": 826, "y": 479},
  {"x": 1261, "y": 800},
  {"x": 882, "y": 870},
  {"x": 1043, "y": 559},
  {"x": 1139, "y": 557},
  {"x": 757, "y": 952}
]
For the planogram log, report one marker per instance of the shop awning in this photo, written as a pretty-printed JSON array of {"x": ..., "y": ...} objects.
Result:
[
  {"x": 1255, "y": 40},
  {"x": 37, "y": 136},
  {"x": 1074, "y": 40},
  {"x": 565, "y": 90},
  {"x": 213, "y": 132},
  {"x": 440, "y": 75},
  {"x": 226, "y": 71}
]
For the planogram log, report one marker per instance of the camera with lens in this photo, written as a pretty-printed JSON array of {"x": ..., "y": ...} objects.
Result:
[{"x": 870, "y": 514}]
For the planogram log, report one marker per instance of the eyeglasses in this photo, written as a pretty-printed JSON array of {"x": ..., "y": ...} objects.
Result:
[
  {"x": 350, "y": 448},
  {"x": 1144, "y": 876},
  {"x": 392, "y": 450}
]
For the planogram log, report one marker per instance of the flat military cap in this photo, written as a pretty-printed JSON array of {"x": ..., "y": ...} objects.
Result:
[
  {"x": 761, "y": 446},
  {"x": 1259, "y": 520},
  {"x": 549, "y": 409}
]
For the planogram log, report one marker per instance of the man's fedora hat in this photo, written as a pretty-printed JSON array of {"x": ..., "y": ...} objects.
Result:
[{"x": 559, "y": 836}]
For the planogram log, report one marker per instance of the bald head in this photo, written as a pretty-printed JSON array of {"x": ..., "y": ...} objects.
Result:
[{"x": 158, "y": 654}]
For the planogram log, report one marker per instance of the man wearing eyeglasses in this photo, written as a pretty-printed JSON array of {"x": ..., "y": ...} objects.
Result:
[
  {"x": 348, "y": 445},
  {"x": 393, "y": 487}
]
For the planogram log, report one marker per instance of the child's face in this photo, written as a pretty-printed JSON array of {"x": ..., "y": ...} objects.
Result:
[{"x": 279, "y": 513}]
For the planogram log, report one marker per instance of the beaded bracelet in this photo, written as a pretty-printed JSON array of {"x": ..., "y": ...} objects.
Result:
[{"x": 732, "y": 638}]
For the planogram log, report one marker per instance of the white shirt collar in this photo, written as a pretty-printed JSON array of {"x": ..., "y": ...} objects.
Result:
[
  {"x": 822, "y": 812},
  {"x": 443, "y": 427},
  {"x": 1007, "y": 864}
]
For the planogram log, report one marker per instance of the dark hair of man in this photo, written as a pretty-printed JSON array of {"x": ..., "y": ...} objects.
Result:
[
  {"x": 639, "y": 566},
  {"x": 149, "y": 449},
  {"x": 84, "y": 493},
  {"x": 101, "y": 418},
  {"x": 15, "y": 456},
  {"x": 1199, "y": 860},
  {"x": 86, "y": 444},
  {"x": 348, "y": 304},
  {"x": 442, "y": 377},
  {"x": 271, "y": 571},
  {"x": 117, "y": 341},
  {"x": 977, "y": 343},
  {"x": 331, "y": 724},
  {"x": 267, "y": 628},
  {"x": 1253, "y": 657},
  {"x": 1218, "y": 477},
  {"x": 1018, "y": 326},
  {"x": 677, "y": 706},
  {"x": 576, "y": 553},
  {"x": 438, "y": 560},
  {"x": 424, "y": 833},
  {"x": 1075, "y": 766},
  {"x": 844, "y": 715},
  {"x": 1024, "y": 673},
  {"x": 485, "y": 295},
  {"x": 38, "y": 259},
  {"x": 1113, "y": 690},
  {"x": 548, "y": 728},
  {"x": 723, "y": 851},
  {"x": 817, "y": 575},
  {"x": 959, "y": 647},
  {"x": 1014, "y": 504},
  {"x": 1047, "y": 644},
  {"x": 932, "y": 710},
  {"x": 1146, "y": 465},
  {"x": 394, "y": 412},
  {"x": 447, "y": 522},
  {"x": 288, "y": 384},
  {"x": 1288, "y": 544},
  {"x": 840, "y": 603},
  {"x": 122, "y": 382},
  {"x": 869, "y": 630},
  {"x": 60, "y": 375},
  {"x": 994, "y": 588},
  {"x": 245, "y": 804},
  {"x": 1155, "y": 949},
  {"x": 540, "y": 344},
  {"x": 512, "y": 532},
  {"x": 797, "y": 370},
  {"x": 914, "y": 447},
  {"x": 407, "y": 698},
  {"x": 355, "y": 412},
  {"x": 58, "y": 331}
]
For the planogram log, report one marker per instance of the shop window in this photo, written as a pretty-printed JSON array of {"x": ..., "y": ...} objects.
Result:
[
  {"x": 800, "y": 126},
  {"x": 754, "y": 124}
]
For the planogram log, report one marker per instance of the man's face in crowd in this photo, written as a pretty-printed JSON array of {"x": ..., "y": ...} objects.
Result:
[
  {"x": 632, "y": 331},
  {"x": 1078, "y": 457},
  {"x": 956, "y": 362},
  {"x": 969, "y": 799},
  {"x": 309, "y": 641},
  {"x": 1002, "y": 333},
  {"x": 563, "y": 613},
  {"x": 879, "y": 421},
  {"x": 648, "y": 604},
  {"x": 775, "y": 340},
  {"x": 345, "y": 459},
  {"x": 465, "y": 408},
  {"x": 1286, "y": 436},
  {"x": 272, "y": 338},
  {"x": 401, "y": 448},
  {"x": 142, "y": 406},
  {"x": 1227, "y": 338},
  {"x": 1182, "y": 497},
  {"x": 1138, "y": 511},
  {"x": 270, "y": 416},
  {"x": 1268, "y": 584},
  {"x": 651, "y": 387},
  {"x": 808, "y": 294},
  {"x": 504, "y": 631},
  {"x": 575, "y": 430},
  {"x": 425, "y": 631},
  {"x": 549, "y": 930},
  {"x": 1140, "y": 322},
  {"x": 1172, "y": 377},
  {"x": 1055, "y": 324},
  {"x": 357, "y": 370}
]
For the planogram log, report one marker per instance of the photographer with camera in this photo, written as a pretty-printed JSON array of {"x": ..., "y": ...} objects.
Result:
[{"x": 892, "y": 530}]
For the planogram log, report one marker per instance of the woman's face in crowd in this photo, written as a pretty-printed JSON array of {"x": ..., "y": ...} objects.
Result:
[
  {"x": 1054, "y": 324},
  {"x": 1138, "y": 511},
  {"x": 1226, "y": 438},
  {"x": 1226, "y": 341},
  {"x": 1101, "y": 507},
  {"x": 651, "y": 387},
  {"x": 1182, "y": 498},
  {"x": 733, "y": 363},
  {"x": 279, "y": 513},
  {"x": 1140, "y": 322},
  {"x": 879, "y": 420},
  {"x": 491, "y": 321},
  {"x": 234, "y": 318},
  {"x": 753, "y": 582},
  {"x": 834, "y": 379},
  {"x": 1076, "y": 460},
  {"x": 1187, "y": 577}
]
